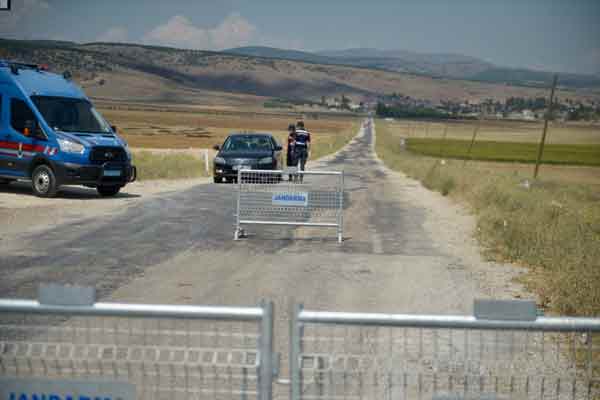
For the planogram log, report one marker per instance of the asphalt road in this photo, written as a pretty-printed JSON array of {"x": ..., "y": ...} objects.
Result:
[
  {"x": 406, "y": 250},
  {"x": 110, "y": 252}
]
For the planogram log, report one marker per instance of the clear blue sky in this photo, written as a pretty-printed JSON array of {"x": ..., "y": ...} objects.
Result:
[{"x": 560, "y": 35}]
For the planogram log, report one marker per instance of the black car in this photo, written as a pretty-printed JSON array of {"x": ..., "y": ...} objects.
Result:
[{"x": 258, "y": 151}]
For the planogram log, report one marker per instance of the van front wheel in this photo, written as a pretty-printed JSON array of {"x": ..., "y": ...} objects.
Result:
[
  {"x": 107, "y": 191},
  {"x": 43, "y": 181}
]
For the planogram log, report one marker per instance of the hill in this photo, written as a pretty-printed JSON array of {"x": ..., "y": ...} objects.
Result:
[
  {"x": 272, "y": 52},
  {"x": 439, "y": 65},
  {"x": 164, "y": 74}
]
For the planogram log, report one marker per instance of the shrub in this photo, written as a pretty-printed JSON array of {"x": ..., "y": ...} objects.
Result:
[{"x": 167, "y": 166}]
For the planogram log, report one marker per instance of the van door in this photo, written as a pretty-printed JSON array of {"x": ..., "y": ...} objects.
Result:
[
  {"x": 19, "y": 143},
  {"x": 4, "y": 135}
]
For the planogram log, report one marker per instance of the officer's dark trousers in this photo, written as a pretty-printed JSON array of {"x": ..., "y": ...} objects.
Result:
[{"x": 301, "y": 156}]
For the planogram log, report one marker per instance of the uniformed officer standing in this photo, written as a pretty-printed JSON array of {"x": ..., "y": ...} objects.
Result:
[
  {"x": 291, "y": 140},
  {"x": 302, "y": 145}
]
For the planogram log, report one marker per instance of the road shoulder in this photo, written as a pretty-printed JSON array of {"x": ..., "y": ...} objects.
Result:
[
  {"x": 454, "y": 228},
  {"x": 23, "y": 213}
]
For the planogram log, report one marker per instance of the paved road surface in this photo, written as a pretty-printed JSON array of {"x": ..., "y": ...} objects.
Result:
[
  {"x": 110, "y": 252},
  {"x": 405, "y": 250}
]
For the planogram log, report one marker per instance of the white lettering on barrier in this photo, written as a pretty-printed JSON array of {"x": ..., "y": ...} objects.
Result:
[
  {"x": 294, "y": 199},
  {"x": 41, "y": 389}
]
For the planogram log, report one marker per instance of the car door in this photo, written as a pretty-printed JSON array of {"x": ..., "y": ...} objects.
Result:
[{"x": 19, "y": 144}]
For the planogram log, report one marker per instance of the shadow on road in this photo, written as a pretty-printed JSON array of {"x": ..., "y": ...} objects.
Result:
[{"x": 65, "y": 192}]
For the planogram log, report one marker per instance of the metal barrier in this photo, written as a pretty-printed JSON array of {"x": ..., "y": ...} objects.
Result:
[
  {"x": 137, "y": 351},
  {"x": 164, "y": 352},
  {"x": 387, "y": 356},
  {"x": 290, "y": 198}
]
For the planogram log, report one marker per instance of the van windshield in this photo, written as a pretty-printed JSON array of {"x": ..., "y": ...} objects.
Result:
[{"x": 70, "y": 115}]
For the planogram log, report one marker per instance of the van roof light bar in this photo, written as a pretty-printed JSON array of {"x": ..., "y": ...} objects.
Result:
[{"x": 16, "y": 66}]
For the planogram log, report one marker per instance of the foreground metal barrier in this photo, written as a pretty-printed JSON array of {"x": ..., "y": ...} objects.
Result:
[
  {"x": 487, "y": 356},
  {"x": 159, "y": 351},
  {"x": 285, "y": 198},
  {"x": 70, "y": 347}
]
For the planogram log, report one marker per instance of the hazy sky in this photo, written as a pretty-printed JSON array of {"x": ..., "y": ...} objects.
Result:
[{"x": 560, "y": 35}]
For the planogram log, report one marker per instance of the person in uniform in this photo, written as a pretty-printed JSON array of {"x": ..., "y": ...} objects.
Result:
[
  {"x": 291, "y": 139},
  {"x": 301, "y": 145}
]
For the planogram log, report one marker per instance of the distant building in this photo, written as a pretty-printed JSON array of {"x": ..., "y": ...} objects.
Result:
[
  {"x": 515, "y": 115},
  {"x": 528, "y": 115}
]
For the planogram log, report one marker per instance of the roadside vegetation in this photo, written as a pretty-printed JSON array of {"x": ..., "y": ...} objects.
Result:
[
  {"x": 167, "y": 166},
  {"x": 552, "y": 226},
  {"x": 327, "y": 143},
  {"x": 161, "y": 127},
  {"x": 189, "y": 132}
]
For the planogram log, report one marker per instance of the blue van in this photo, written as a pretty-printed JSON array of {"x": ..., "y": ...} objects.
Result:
[{"x": 51, "y": 134}]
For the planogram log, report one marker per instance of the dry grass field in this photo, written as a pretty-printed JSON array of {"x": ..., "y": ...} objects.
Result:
[
  {"x": 511, "y": 132},
  {"x": 167, "y": 140},
  {"x": 500, "y": 130},
  {"x": 552, "y": 226},
  {"x": 183, "y": 128}
]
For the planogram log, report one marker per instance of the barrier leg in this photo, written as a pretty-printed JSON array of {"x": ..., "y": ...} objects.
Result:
[
  {"x": 340, "y": 232},
  {"x": 236, "y": 235},
  {"x": 265, "y": 347},
  {"x": 295, "y": 350}
]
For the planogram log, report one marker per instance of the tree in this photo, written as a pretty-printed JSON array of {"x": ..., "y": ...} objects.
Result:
[{"x": 345, "y": 103}]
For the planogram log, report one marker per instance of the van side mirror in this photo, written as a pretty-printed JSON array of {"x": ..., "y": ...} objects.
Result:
[
  {"x": 114, "y": 128},
  {"x": 217, "y": 147},
  {"x": 38, "y": 133}
]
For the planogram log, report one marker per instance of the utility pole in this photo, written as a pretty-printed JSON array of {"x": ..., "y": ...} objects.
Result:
[
  {"x": 547, "y": 117},
  {"x": 475, "y": 131}
]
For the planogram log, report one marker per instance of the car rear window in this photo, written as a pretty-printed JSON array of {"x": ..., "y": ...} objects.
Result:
[{"x": 248, "y": 143}]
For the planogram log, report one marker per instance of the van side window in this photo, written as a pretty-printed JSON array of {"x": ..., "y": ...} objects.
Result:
[{"x": 21, "y": 116}]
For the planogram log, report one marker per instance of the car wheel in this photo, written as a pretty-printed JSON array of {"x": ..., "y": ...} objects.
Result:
[
  {"x": 107, "y": 191},
  {"x": 43, "y": 181}
]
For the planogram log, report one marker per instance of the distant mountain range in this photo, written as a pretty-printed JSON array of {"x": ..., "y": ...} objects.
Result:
[
  {"x": 441, "y": 65},
  {"x": 248, "y": 76}
]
